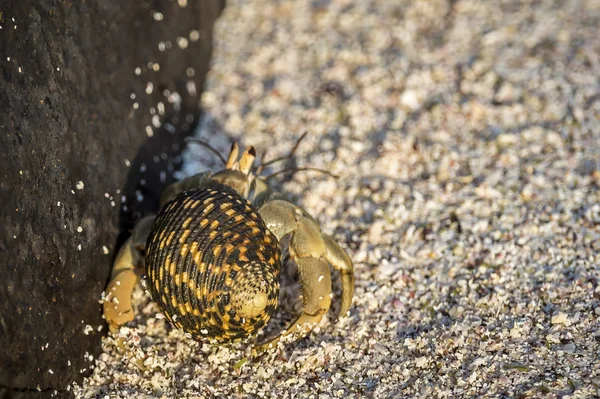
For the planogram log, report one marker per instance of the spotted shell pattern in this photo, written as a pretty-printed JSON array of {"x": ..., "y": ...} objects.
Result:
[{"x": 208, "y": 256}]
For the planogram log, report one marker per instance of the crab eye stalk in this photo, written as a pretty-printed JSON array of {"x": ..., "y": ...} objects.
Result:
[
  {"x": 233, "y": 157},
  {"x": 247, "y": 160}
]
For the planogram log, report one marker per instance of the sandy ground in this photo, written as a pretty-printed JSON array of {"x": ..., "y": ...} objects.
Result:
[{"x": 466, "y": 137}]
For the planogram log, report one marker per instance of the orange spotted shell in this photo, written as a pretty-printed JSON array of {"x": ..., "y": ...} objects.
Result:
[{"x": 212, "y": 264}]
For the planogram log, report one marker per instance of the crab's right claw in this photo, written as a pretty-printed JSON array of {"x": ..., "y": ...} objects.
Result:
[{"x": 313, "y": 252}]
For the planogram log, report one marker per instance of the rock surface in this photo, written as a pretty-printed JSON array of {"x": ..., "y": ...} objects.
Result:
[{"x": 86, "y": 89}]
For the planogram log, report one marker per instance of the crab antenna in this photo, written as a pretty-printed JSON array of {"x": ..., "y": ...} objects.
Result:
[
  {"x": 204, "y": 144},
  {"x": 233, "y": 156},
  {"x": 260, "y": 167},
  {"x": 291, "y": 154},
  {"x": 267, "y": 178}
]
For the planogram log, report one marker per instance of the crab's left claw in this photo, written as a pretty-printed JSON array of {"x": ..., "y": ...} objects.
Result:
[
  {"x": 313, "y": 252},
  {"x": 126, "y": 272},
  {"x": 339, "y": 259}
]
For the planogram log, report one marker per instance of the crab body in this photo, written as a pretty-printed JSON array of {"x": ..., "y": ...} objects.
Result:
[{"x": 213, "y": 257}]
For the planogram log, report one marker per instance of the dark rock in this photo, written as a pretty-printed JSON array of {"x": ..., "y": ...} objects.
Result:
[{"x": 66, "y": 82}]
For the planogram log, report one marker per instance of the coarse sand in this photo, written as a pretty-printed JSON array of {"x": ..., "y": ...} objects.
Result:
[{"x": 466, "y": 137}]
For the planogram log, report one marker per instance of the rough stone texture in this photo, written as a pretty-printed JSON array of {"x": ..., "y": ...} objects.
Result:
[{"x": 67, "y": 82}]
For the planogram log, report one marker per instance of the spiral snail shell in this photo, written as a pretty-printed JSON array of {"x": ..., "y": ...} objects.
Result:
[{"x": 212, "y": 265}]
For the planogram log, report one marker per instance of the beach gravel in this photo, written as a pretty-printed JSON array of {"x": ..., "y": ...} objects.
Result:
[{"x": 466, "y": 136}]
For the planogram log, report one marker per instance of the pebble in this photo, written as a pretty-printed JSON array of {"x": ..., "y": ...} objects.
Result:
[{"x": 560, "y": 318}]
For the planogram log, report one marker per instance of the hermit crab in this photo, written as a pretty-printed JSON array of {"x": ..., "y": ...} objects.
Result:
[{"x": 212, "y": 256}]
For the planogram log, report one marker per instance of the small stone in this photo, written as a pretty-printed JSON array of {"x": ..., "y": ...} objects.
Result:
[
  {"x": 553, "y": 339},
  {"x": 569, "y": 348},
  {"x": 560, "y": 318},
  {"x": 410, "y": 100}
]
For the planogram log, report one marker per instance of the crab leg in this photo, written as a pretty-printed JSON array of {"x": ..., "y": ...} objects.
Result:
[
  {"x": 126, "y": 271},
  {"x": 339, "y": 259},
  {"x": 306, "y": 249},
  {"x": 312, "y": 251}
]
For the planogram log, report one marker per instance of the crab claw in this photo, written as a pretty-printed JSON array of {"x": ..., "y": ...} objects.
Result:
[{"x": 313, "y": 251}]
